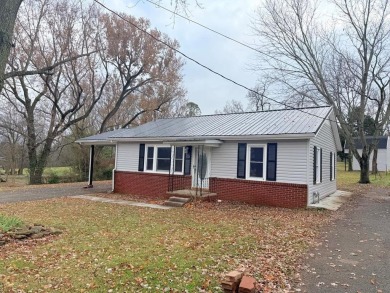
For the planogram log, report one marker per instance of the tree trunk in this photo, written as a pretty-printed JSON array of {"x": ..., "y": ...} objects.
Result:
[
  {"x": 21, "y": 166},
  {"x": 364, "y": 163},
  {"x": 9, "y": 10},
  {"x": 36, "y": 173},
  {"x": 350, "y": 158},
  {"x": 374, "y": 162},
  {"x": 38, "y": 165}
]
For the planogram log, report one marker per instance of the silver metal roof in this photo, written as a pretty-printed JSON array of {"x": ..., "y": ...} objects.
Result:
[
  {"x": 275, "y": 122},
  {"x": 102, "y": 138},
  {"x": 382, "y": 142}
]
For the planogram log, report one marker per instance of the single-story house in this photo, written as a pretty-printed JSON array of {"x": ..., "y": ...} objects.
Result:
[
  {"x": 383, "y": 158},
  {"x": 284, "y": 158}
]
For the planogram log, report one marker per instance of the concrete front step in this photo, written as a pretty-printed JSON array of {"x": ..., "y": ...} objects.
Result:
[
  {"x": 180, "y": 199},
  {"x": 175, "y": 201}
]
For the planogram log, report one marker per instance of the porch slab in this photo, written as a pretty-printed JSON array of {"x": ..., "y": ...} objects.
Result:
[
  {"x": 122, "y": 202},
  {"x": 332, "y": 202}
]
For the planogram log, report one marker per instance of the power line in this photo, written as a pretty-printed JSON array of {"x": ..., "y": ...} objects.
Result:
[
  {"x": 202, "y": 65},
  {"x": 205, "y": 27},
  {"x": 216, "y": 32}
]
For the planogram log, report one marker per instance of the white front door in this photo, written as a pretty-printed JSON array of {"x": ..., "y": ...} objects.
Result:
[{"x": 201, "y": 167}]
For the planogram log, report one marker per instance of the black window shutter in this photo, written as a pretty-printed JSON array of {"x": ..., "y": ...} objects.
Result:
[
  {"x": 141, "y": 157},
  {"x": 271, "y": 161},
  {"x": 241, "y": 160},
  {"x": 187, "y": 160},
  {"x": 314, "y": 166},
  {"x": 320, "y": 165},
  {"x": 331, "y": 166}
]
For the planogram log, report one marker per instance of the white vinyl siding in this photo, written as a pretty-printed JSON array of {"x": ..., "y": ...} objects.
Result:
[
  {"x": 291, "y": 160},
  {"x": 127, "y": 156},
  {"x": 323, "y": 140},
  {"x": 224, "y": 163}
]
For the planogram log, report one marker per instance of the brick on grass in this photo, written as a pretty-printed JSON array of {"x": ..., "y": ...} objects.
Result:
[
  {"x": 231, "y": 281},
  {"x": 247, "y": 285},
  {"x": 234, "y": 276},
  {"x": 230, "y": 286}
]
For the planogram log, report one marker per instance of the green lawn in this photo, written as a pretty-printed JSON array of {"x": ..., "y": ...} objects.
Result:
[
  {"x": 130, "y": 249},
  {"x": 59, "y": 171},
  {"x": 349, "y": 180}
]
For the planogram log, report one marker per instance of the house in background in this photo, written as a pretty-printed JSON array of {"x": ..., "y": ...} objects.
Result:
[
  {"x": 383, "y": 158},
  {"x": 284, "y": 158}
]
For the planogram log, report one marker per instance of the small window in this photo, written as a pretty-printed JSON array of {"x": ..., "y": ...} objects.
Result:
[
  {"x": 179, "y": 158},
  {"x": 256, "y": 155},
  {"x": 163, "y": 158},
  {"x": 149, "y": 159}
]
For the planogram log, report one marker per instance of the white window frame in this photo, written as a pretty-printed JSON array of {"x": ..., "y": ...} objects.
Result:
[
  {"x": 155, "y": 152},
  {"x": 248, "y": 161},
  {"x": 333, "y": 167},
  {"x": 318, "y": 166},
  {"x": 146, "y": 157},
  {"x": 174, "y": 160}
]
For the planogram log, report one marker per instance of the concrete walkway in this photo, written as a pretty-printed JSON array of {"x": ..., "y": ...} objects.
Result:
[
  {"x": 332, "y": 202},
  {"x": 47, "y": 191},
  {"x": 354, "y": 253},
  {"x": 122, "y": 202}
]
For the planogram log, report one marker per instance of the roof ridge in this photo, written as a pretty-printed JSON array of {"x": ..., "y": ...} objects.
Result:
[{"x": 247, "y": 112}]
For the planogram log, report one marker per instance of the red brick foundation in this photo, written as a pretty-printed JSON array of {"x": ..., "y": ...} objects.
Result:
[
  {"x": 148, "y": 184},
  {"x": 267, "y": 193}
]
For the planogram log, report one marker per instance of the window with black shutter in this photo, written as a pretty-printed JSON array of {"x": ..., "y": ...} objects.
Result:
[
  {"x": 241, "y": 160},
  {"x": 271, "y": 161},
  {"x": 187, "y": 160},
  {"x": 141, "y": 157}
]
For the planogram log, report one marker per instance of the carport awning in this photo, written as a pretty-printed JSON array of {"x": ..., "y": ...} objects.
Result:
[{"x": 100, "y": 139}]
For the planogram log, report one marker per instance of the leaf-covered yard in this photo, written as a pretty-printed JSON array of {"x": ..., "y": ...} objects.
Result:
[{"x": 107, "y": 247}]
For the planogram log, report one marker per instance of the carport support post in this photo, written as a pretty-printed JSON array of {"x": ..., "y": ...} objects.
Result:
[{"x": 91, "y": 159}]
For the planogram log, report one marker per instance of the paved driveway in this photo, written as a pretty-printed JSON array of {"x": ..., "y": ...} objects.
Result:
[
  {"x": 46, "y": 191},
  {"x": 354, "y": 255}
]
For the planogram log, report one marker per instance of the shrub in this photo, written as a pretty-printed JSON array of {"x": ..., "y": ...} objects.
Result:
[
  {"x": 103, "y": 174},
  {"x": 53, "y": 178}
]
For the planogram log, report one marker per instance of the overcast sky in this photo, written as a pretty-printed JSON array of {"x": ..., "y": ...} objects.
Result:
[{"x": 230, "y": 17}]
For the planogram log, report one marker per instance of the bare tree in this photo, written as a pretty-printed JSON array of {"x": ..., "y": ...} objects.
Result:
[
  {"x": 47, "y": 32},
  {"x": 257, "y": 99},
  {"x": 146, "y": 74},
  {"x": 230, "y": 107},
  {"x": 8, "y": 13},
  {"x": 12, "y": 129},
  {"x": 339, "y": 64},
  {"x": 119, "y": 74}
]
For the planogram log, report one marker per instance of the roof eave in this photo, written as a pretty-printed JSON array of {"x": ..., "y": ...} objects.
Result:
[
  {"x": 96, "y": 142},
  {"x": 226, "y": 138}
]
